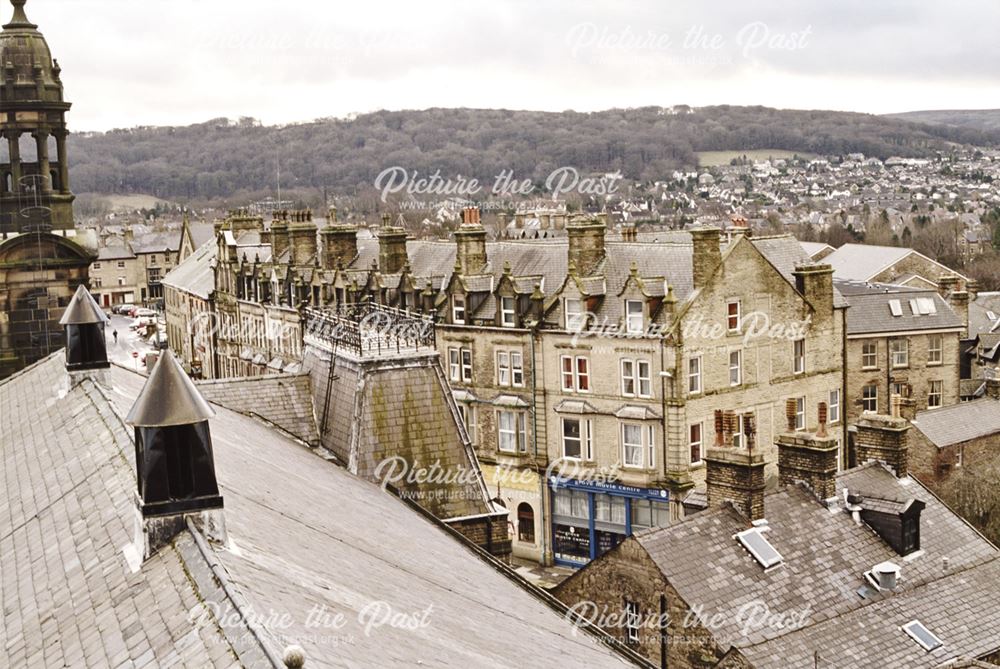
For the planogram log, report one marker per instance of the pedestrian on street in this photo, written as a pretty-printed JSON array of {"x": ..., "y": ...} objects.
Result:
[{"x": 115, "y": 335}]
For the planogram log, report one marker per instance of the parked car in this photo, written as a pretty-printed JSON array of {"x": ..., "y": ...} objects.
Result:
[
  {"x": 122, "y": 308},
  {"x": 142, "y": 313}
]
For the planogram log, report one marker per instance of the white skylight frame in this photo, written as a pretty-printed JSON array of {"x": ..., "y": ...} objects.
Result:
[
  {"x": 914, "y": 629},
  {"x": 895, "y": 308},
  {"x": 765, "y": 559}
]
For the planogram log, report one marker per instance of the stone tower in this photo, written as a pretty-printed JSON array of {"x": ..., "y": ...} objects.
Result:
[
  {"x": 34, "y": 179},
  {"x": 42, "y": 257}
]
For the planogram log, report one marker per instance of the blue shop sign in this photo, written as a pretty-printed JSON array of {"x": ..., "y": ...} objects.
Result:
[{"x": 610, "y": 488}]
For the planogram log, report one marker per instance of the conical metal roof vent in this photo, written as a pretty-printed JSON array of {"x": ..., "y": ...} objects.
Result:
[
  {"x": 83, "y": 310},
  {"x": 168, "y": 398}
]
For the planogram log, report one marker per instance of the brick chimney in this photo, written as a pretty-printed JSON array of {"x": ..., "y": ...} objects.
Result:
[
  {"x": 815, "y": 283},
  {"x": 470, "y": 239},
  {"x": 279, "y": 234},
  {"x": 883, "y": 438},
  {"x": 586, "y": 245},
  {"x": 992, "y": 377},
  {"x": 736, "y": 476},
  {"x": 707, "y": 254},
  {"x": 302, "y": 238},
  {"x": 174, "y": 461},
  {"x": 391, "y": 249},
  {"x": 809, "y": 458},
  {"x": 340, "y": 245},
  {"x": 950, "y": 288}
]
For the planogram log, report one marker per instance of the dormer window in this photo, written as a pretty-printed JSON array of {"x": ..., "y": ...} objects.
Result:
[
  {"x": 573, "y": 309},
  {"x": 633, "y": 316},
  {"x": 458, "y": 309},
  {"x": 508, "y": 318}
]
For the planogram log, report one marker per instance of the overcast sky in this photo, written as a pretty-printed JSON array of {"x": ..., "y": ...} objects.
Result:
[{"x": 153, "y": 62}]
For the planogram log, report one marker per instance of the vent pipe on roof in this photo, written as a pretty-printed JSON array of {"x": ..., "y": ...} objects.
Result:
[
  {"x": 86, "y": 349},
  {"x": 885, "y": 575},
  {"x": 174, "y": 460}
]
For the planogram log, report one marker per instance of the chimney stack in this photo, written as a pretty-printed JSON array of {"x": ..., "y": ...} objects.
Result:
[
  {"x": 340, "y": 245},
  {"x": 883, "y": 438},
  {"x": 809, "y": 458},
  {"x": 174, "y": 460},
  {"x": 992, "y": 378},
  {"x": 736, "y": 476},
  {"x": 470, "y": 239},
  {"x": 815, "y": 283},
  {"x": 302, "y": 237},
  {"x": 391, "y": 248},
  {"x": 279, "y": 234},
  {"x": 950, "y": 288},
  {"x": 586, "y": 245},
  {"x": 707, "y": 255},
  {"x": 83, "y": 323}
]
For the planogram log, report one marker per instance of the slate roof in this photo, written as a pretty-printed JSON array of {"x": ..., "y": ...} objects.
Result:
[
  {"x": 69, "y": 597},
  {"x": 283, "y": 399},
  {"x": 825, "y": 555},
  {"x": 194, "y": 275},
  {"x": 813, "y": 248},
  {"x": 979, "y": 314},
  {"x": 157, "y": 242},
  {"x": 870, "y": 311},
  {"x": 861, "y": 262},
  {"x": 304, "y": 536},
  {"x": 960, "y": 422},
  {"x": 114, "y": 253}
]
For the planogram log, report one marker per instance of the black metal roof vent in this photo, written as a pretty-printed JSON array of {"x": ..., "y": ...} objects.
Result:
[
  {"x": 173, "y": 444},
  {"x": 84, "y": 322}
]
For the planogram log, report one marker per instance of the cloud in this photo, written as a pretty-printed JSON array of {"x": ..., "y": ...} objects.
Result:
[{"x": 131, "y": 63}]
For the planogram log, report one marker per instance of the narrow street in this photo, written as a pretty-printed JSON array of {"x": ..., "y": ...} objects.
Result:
[{"x": 128, "y": 342}]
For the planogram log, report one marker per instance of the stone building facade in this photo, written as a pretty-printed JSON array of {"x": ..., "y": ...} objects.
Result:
[
  {"x": 587, "y": 371},
  {"x": 900, "y": 341}
]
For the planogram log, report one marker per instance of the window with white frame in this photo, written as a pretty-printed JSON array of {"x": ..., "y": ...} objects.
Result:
[
  {"x": 636, "y": 381},
  {"x": 632, "y": 621},
  {"x": 512, "y": 431},
  {"x": 507, "y": 313},
  {"x": 458, "y": 309},
  {"x": 576, "y": 438},
  {"x": 935, "y": 394},
  {"x": 694, "y": 375},
  {"x": 510, "y": 369},
  {"x": 739, "y": 439},
  {"x": 799, "y": 355},
  {"x": 800, "y": 413},
  {"x": 935, "y": 349},
  {"x": 869, "y": 355},
  {"x": 833, "y": 413},
  {"x": 733, "y": 316},
  {"x": 900, "y": 351},
  {"x": 695, "y": 443},
  {"x": 735, "y": 368},
  {"x": 869, "y": 398},
  {"x": 121, "y": 264},
  {"x": 468, "y": 413},
  {"x": 632, "y": 448},
  {"x": 575, "y": 373},
  {"x": 633, "y": 316},
  {"x": 573, "y": 309},
  {"x": 96, "y": 265},
  {"x": 460, "y": 364}
]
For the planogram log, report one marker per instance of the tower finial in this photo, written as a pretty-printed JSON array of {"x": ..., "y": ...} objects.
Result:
[{"x": 19, "y": 20}]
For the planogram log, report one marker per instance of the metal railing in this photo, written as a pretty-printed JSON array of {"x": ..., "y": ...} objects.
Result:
[{"x": 369, "y": 329}]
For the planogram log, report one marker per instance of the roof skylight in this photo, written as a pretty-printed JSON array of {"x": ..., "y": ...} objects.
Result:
[{"x": 759, "y": 548}]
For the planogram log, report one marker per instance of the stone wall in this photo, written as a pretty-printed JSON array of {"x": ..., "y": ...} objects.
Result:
[
  {"x": 918, "y": 374},
  {"x": 600, "y": 590},
  {"x": 885, "y": 439}
]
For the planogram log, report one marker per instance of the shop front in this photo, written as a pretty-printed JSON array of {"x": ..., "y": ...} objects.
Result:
[{"x": 590, "y": 518}]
